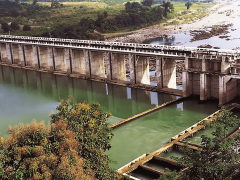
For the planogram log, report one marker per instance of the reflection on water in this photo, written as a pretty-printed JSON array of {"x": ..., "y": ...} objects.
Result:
[{"x": 27, "y": 95}]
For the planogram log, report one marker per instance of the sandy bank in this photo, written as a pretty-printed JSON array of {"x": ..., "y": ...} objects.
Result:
[{"x": 216, "y": 17}]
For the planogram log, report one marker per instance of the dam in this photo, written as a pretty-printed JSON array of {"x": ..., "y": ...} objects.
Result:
[{"x": 209, "y": 73}]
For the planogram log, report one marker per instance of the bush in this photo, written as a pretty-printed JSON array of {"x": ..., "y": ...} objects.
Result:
[
  {"x": 15, "y": 26},
  {"x": 5, "y": 27},
  {"x": 26, "y": 28}
]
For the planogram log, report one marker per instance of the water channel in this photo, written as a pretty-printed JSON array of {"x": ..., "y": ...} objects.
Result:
[{"x": 26, "y": 95}]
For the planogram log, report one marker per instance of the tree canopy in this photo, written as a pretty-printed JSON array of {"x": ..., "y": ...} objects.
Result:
[
  {"x": 71, "y": 147},
  {"x": 218, "y": 158},
  {"x": 188, "y": 4}
]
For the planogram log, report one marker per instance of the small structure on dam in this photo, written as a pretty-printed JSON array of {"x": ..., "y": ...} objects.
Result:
[{"x": 210, "y": 73}]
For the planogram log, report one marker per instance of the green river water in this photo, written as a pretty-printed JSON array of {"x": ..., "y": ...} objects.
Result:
[{"x": 26, "y": 95}]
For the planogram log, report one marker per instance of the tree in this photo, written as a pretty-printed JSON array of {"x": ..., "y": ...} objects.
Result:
[
  {"x": 35, "y": 2},
  {"x": 5, "y": 27},
  {"x": 147, "y": 3},
  {"x": 217, "y": 159},
  {"x": 168, "y": 8},
  {"x": 26, "y": 28},
  {"x": 188, "y": 4},
  {"x": 56, "y": 152},
  {"x": 14, "y": 26}
]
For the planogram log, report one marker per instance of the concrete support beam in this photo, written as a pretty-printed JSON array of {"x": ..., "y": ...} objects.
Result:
[
  {"x": 15, "y": 54},
  {"x": 132, "y": 67},
  {"x": 204, "y": 65},
  {"x": 205, "y": 87},
  {"x": 187, "y": 83},
  {"x": 97, "y": 64},
  {"x": 29, "y": 56},
  {"x": 88, "y": 69},
  {"x": 108, "y": 65},
  {"x": 67, "y": 60},
  {"x": 36, "y": 57},
  {"x": 118, "y": 67},
  {"x": 225, "y": 67},
  {"x": 9, "y": 53},
  {"x": 4, "y": 54},
  {"x": 223, "y": 89},
  {"x": 46, "y": 58},
  {"x": 60, "y": 63},
  {"x": 159, "y": 71},
  {"x": 22, "y": 60},
  {"x": 169, "y": 73},
  {"x": 142, "y": 70},
  {"x": 78, "y": 61}
]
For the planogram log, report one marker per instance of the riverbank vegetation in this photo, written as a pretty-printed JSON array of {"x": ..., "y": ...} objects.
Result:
[
  {"x": 219, "y": 157},
  {"x": 89, "y": 20},
  {"x": 71, "y": 147}
]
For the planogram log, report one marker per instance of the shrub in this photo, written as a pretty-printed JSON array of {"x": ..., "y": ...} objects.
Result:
[
  {"x": 26, "y": 28},
  {"x": 15, "y": 26},
  {"x": 5, "y": 27}
]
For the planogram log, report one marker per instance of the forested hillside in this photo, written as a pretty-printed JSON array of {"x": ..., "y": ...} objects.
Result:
[{"x": 83, "y": 20}]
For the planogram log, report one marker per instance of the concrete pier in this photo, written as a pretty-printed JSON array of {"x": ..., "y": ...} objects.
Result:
[{"x": 208, "y": 73}]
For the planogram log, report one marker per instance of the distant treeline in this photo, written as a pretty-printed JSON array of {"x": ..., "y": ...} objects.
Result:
[
  {"x": 14, "y": 9},
  {"x": 134, "y": 15}
]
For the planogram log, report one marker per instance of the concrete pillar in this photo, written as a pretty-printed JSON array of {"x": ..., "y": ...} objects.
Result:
[
  {"x": 108, "y": 65},
  {"x": 88, "y": 69},
  {"x": 36, "y": 57},
  {"x": 204, "y": 65},
  {"x": 225, "y": 67},
  {"x": 205, "y": 87},
  {"x": 159, "y": 72},
  {"x": 4, "y": 54},
  {"x": 67, "y": 61},
  {"x": 29, "y": 56},
  {"x": 9, "y": 53},
  {"x": 187, "y": 83},
  {"x": 78, "y": 61},
  {"x": 142, "y": 70},
  {"x": 118, "y": 66},
  {"x": 97, "y": 64},
  {"x": 223, "y": 89},
  {"x": 22, "y": 60},
  {"x": 186, "y": 62},
  {"x": 59, "y": 54},
  {"x": 46, "y": 58},
  {"x": 169, "y": 73},
  {"x": 132, "y": 67},
  {"x": 15, "y": 54}
]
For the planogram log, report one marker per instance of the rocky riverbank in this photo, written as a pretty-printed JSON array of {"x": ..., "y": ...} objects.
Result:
[{"x": 205, "y": 28}]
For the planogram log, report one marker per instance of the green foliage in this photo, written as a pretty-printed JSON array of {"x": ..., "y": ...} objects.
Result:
[
  {"x": 168, "y": 8},
  {"x": 5, "y": 27},
  {"x": 169, "y": 176},
  {"x": 147, "y": 3},
  {"x": 218, "y": 159},
  {"x": 56, "y": 152},
  {"x": 26, "y": 28},
  {"x": 188, "y": 4},
  {"x": 15, "y": 26},
  {"x": 93, "y": 134}
]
